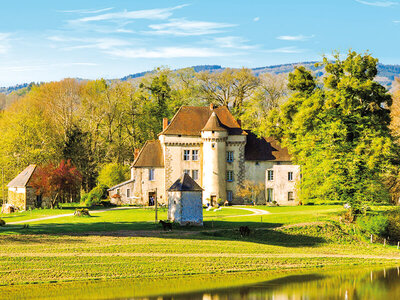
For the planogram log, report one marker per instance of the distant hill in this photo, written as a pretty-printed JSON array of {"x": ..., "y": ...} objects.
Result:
[{"x": 386, "y": 73}]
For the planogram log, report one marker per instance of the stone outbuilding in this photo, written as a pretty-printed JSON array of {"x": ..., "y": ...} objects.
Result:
[
  {"x": 185, "y": 202},
  {"x": 22, "y": 195}
]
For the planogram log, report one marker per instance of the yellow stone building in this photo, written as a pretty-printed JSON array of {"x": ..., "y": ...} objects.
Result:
[{"x": 209, "y": 144}]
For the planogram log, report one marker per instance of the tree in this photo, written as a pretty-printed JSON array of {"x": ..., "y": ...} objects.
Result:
[
  {"x": 338, "y": 132},
  {"x": 271, "y": 93},
  {"x": 229, "y": 87},
  {"x": 59, "y": 183},
  {"x": 112, "y": 174},
  {"x": 252, "y": 192}
]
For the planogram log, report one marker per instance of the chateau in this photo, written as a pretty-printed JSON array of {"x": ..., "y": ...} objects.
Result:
[{"x": 209, "y": 144}]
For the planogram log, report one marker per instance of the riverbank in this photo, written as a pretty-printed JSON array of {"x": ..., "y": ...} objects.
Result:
[{"x": 125, "y": 244}]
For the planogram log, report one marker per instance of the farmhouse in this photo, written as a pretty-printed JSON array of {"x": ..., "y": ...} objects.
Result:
[
  {"x": 22, "y": 195},
  {"x": 209, "y": 144}
]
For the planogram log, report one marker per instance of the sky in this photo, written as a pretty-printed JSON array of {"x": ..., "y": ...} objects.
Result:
[{"x": 52, "y": 40}]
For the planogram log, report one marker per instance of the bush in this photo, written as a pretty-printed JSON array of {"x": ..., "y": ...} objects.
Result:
[
  {"x": 377, "y": 225},
  {"x": 2, "y": 222},
  {"x": 95, "y": 196},
  {"x": 81, "y": 212}
]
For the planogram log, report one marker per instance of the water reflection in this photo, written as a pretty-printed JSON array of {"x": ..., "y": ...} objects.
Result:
[
  {"x": 382, "y": 284},
  {"x": 343, "y": 284}
]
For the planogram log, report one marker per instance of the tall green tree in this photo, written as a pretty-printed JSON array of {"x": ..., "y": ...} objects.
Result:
[{"x": 338, "y": 131}]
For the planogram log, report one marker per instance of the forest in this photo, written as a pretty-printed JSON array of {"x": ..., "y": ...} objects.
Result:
[{"x": 342, "y": 128}]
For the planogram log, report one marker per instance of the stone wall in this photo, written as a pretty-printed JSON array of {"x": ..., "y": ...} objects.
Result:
[
  {"x": 122, "y": 192},
  {"x": 280, "y": 184},
  {"x": 17, "y": 197},
  {"x": 142, "y": 186},
  {"x": 185, "y": 207}
]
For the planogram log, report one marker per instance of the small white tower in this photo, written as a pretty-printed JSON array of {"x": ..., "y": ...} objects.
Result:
[{"x": 214, "y": 137}]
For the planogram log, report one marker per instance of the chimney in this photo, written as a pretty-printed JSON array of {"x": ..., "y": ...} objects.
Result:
[
  {"x": 164, "y": 123},
  {"x": 136, "y": 153},
  {"x": 211, "y": 106},
  {"x": 240, "y": 122}
]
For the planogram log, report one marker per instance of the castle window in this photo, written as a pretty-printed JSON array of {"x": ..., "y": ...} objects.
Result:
[
  {"x": 229, "y": 176},
  {"x": 229, "y": 156},
  {"x": 270, "y": 175},
  {"x": 186, "y": 154},
  {"x": 290, "y": 176},
  {"x": 186, "y": 172},
  {"x": 195, "y": 174},
  {"x": 195, "y": 155},
  {"x": 117, "y": 191},
  {"x": 270, "y": 195},
  {"x": 290, "y": 196},
  {"x": 128, "y": 193},
  {"x": 151, "y": 174}
]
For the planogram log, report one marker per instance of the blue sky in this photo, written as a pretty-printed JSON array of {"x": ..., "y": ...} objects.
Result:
[{"x": 51, "y": 40}]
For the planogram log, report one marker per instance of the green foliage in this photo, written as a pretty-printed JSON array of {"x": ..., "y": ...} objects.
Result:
[
  {"x": 95, "y": 196},
  {"x": 112, "y": 174},
  {"x": 338, "y": 131},
  {"x": 376, "y": 225}
]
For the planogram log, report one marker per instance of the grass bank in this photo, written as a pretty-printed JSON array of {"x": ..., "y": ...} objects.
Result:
[{"x": 127, "y": 244}]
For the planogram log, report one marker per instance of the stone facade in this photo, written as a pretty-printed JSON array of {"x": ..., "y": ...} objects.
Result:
[
  {"x": 22, "y": 195},
  {"x": 122, "y": 194},
  {"x": 280, "y": 185},
  {"x": 210, "y": 146}
]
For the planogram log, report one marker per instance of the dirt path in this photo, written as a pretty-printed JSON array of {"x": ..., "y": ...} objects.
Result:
[
  {"x": 242, "y": 255},
  {"x": 255, "y": 212},
  {"x": 66, "y": 215}
]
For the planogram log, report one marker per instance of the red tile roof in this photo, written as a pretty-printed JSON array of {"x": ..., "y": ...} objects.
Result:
[
  {"x": 190, "y": 120},
  {"x": 151, "y": 155}
]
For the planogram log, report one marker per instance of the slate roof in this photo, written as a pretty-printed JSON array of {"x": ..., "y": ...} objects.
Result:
[
  {"x": 213, "y": 124},
  {"x": 262, "y": 149},
  {"x": 151, "y": 155},
  {"x": 22, "y": 179},
  {"x": 185, "y": 183},
  {"x": 190, "y": 120},
  {"x": 120, "y": 184}
]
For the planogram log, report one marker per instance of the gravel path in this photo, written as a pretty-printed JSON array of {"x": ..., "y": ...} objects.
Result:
[{"x": 66, "y": 215}]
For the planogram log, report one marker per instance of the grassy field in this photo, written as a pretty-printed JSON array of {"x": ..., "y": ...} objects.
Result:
[{"x": 126, "y": 243}]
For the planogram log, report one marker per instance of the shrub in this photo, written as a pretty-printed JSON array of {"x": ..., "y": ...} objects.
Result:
[
  {"x": 377, "y": 225},
  {"x": 95, "y": 196},
  {"x": 82, "y": 212},
  {"x": 2, "y": 222}
]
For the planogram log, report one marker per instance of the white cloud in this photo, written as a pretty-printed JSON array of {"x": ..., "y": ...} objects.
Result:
[
  {"x": 87, "y": 11},
  {"x": 182, "y": 27},
  {"x": 88, "y": 43},
  {"x": 150, "y": 14},
  {"x": 41, "y": 67},
  {"x": 166, "y": 52},
  {"x": 378, "y": 3},
  {"x": 299, "y": 37},
  {"x": 256, "y": 19},
  {"x": 396, "y": 21},
  {"x": 4, "y": 42},
  {"x": 234, "y": 42},
  {"x": 286, "y": 50}
]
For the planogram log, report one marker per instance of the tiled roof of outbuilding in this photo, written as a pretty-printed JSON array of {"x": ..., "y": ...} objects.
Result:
[
  {"x": 151, "y": 155},
  {"x": 185, "y": 183},
  {"x": 262, "y": 149},
  {"x": 22, "y": 179},
  {"x": 190, "y": 120}
]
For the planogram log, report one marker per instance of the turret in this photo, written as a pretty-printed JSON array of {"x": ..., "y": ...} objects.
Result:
[{"x": 214, "y": 137}]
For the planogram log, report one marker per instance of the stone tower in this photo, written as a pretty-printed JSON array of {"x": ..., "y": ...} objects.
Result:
[{"x": 214, "y": 137}]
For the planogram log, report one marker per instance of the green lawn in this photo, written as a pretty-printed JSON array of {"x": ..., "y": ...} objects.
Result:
[{"x": 127, "y": 244}]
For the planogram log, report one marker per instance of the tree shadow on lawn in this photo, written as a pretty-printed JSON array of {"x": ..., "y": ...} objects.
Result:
[{"x": 261, "y": 232}]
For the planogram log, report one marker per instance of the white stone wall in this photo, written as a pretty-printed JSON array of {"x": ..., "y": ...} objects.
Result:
[
  {"x": 281, "y": 185},
  {"x": 214, "y": 165},
  {"x": 185, "y": 207},
  {"x": 124, "y": 199},
  {"x": 143, "y": 186}
]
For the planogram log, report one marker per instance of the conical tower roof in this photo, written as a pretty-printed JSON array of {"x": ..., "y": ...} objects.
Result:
[
  {"x": 185, "y": 183},
  {"x": 213, "y": 124}
]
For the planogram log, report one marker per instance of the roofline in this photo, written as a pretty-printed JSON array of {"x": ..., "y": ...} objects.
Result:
[
  {"x": 34, "y": 168},
  {"x": 172, "y": 120},
  {"x": 120, "y": 184},
  {"x": 140, "y": 153}
]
